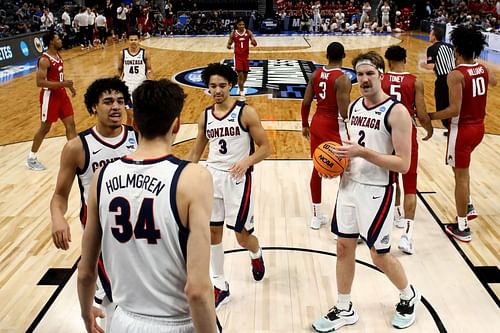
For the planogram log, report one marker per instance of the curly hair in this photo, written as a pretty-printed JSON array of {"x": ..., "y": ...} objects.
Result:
[
  {"x": 395, "y": 53},
  {"x": 219, "y": 69},
  {"x": 468, "y": 41},
  {"x": 100, "y": 86}
]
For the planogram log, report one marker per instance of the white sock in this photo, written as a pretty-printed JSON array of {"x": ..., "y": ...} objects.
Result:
[
  {"x": 317, "y": 209},
  {"x": 406, "y": 293},
  {"x": 255, "y": 255},
  {"x": 470, "y": 200},
  {"x": 217, "y": 263},
  {"x": 343, "y": 301},
  {"x": 409, "y": 227},
  {"x": 32, "y": 155},
  {"x": 462, "y": 223}
]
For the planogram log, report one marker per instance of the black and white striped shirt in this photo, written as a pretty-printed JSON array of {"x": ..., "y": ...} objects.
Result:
[{"x": 442, "y": 56}]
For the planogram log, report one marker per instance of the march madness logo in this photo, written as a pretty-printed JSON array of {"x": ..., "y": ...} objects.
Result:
[{"x": 279, "y": 78}]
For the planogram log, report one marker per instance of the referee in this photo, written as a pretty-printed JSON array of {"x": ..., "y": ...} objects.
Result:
[{"x": 441, "y": 59}]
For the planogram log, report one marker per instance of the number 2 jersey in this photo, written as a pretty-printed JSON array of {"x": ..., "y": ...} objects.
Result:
[
  {"x": 369, "y": 127},
  {"x": 100, "y": 151},
  {"x": 144, "y": 243},
  {"x": 134, "y": 69},
  {"x": 229, "y": 141}
]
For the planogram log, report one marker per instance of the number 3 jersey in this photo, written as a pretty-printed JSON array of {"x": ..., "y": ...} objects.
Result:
[
  {"x": 369, "y": 127},
  {"x": 134, "y": 69},
  {"x": 143, "y": 240},
  {"x": 229, "y": 141}
]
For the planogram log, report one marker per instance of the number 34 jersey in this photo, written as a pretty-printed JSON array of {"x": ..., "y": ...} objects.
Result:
[
  {"x": 229, "y": 141},
  {"x": 143, "y": 240}
]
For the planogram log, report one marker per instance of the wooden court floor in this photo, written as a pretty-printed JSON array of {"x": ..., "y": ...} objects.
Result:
[{"x": 300, "y": 283}]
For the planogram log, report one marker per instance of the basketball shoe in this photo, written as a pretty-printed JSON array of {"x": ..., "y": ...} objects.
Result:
[
  {"x": 318, "y": 221},
  {"x": 406, "y": 310},
  {"x": 335, "y": 319},
  {"x": 258, "y": 268},
  {"x": 471, "y": 212},
  {"x": 34, "y": 164},
  {"x": 406, "y": 244},
  {"x": 455, "y": 232},
  {"x": 221, "y": 296}
]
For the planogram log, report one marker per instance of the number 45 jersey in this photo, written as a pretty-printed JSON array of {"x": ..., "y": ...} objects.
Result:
[
  {"x": 134, "y": 69},
  {"x": 143, "y": 240},
  {"x": 229, "y": 141}
]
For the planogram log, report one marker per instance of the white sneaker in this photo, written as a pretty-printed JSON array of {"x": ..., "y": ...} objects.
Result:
[
  {"x": 34, "y": 164},
  {"x": 335, "y": 319},
  {"x": 318, "y": 221},
  {"x": 406, "y": 310},
  {"x": 406, "y": 244}
]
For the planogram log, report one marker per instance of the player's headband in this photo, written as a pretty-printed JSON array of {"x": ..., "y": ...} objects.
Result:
[{"x": 370, "y": 63}]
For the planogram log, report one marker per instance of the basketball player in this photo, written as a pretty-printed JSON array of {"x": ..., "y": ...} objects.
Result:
[
  {"x": 409, "y": 90},
  {"x": 134, "y": 66},
  {"x": 379, "y": 146},
  {"x": 152, "y": 225},
  {"x": 82, "y": 156},
  {"x": 241, "y": 38},
  {"x": 230, "y": 128},
  {"x": 332, "y": 89},
  {"x": 54, "y": 102},
  {"x": 441, "y": 59},
  {"x": 468, "y": 86}
]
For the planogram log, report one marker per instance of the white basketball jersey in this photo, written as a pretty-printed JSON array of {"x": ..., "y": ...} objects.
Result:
[
  {"x": 369, "y": 127},
  {"x": 143, "y": 241},
  {"x": 134, "y": 69},
  {"x": 100, "y": 151},
  {"x": 229, "y": 141}
]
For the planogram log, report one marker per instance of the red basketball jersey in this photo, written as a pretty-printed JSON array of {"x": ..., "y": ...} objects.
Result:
[
  {"x": 324, "y": 89},
  {"x": 401, "y": 86},
  {"x": 241, "y": 43},
  {"x": 55, "y": 73},
  {"x": 474, "y": 94}
]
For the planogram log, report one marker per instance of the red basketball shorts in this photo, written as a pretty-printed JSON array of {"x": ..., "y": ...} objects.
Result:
[
  {"x": 462, "y": 139},
  {"x": 54, "y": 104},
  {"x": 323, "y": 129},
  {"x": 241, "y": 64}
]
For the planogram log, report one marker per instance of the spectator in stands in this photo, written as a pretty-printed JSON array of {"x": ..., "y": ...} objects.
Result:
[
  {"x": 121, "y": 16},
  {"x": 23, "y": 13},
  {"x": 47, "y": 20},
  {"x": 66, "y": 20}
]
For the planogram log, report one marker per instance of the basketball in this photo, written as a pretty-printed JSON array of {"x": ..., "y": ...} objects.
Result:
[{"x": 326, "y": 162}]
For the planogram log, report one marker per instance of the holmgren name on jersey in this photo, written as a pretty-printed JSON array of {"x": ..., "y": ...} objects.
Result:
[{"x": 140, "y": 181}]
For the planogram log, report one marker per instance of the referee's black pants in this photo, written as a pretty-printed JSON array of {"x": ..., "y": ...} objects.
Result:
[{"x": 441, "y": 96}]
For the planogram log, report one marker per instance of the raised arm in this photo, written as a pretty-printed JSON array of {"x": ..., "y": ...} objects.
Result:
[
  {"x": 71, "y": 158},
  {"x": 194, "y": 154},
  {"x": 422, "y": 115},
  {"x": 195, "y": 210}
]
